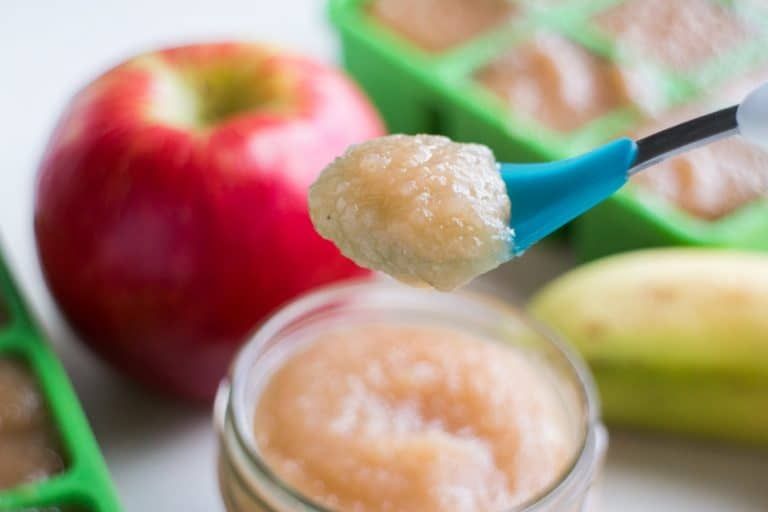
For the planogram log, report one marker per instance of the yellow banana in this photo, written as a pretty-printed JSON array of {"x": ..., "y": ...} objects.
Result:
[{"x": 677, "y": 338}]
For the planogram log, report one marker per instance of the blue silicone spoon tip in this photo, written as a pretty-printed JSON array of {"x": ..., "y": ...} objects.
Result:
[{"x": 546, "y": 196}]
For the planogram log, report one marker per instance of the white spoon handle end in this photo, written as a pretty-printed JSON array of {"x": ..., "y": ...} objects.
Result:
[{"x": 752, "y": 117}]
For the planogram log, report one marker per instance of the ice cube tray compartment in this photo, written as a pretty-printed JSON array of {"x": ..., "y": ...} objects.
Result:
[{"x": 84, "y": 484}]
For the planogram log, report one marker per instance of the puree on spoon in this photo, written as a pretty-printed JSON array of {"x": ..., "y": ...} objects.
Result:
[{"x": 422, "y": 208}]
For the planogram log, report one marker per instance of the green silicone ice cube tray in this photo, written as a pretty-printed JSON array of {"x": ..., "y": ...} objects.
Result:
[
  {"x": 84, "y": 484},
  {"x": 420, "y": 91}
]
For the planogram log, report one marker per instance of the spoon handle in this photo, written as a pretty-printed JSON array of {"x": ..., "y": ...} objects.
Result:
[{"x": 684, "y": 137}]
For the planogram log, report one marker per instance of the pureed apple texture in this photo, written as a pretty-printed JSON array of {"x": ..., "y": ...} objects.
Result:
[
  {"x": 376, "y": 397},
  {"x": 383, "y": 417},
  {"x": 421, "y": 208}
]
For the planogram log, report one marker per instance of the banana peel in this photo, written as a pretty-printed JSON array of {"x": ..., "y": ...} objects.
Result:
[{"x": 677, "y": 338}]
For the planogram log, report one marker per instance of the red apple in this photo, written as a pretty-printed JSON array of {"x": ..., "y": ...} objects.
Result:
[{"x": 171, "y": 211}]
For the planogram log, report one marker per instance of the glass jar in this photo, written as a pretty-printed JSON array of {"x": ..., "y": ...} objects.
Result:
[{"x": 248, "y": 485}]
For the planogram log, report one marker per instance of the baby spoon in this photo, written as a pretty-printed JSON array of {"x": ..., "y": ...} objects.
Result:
[{"x": 546, "y": 196}]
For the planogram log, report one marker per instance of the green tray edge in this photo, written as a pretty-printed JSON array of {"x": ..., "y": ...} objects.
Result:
[{"x": 85, "y": 483}]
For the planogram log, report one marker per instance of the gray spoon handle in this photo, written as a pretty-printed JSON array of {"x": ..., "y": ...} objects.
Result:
[{"x": 684, "y": 137}]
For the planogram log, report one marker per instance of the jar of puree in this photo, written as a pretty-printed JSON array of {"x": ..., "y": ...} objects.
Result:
[{"x": 371, "y": 396}]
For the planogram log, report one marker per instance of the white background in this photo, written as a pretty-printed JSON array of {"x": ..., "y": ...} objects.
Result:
[{"x": 160, "y": 454}]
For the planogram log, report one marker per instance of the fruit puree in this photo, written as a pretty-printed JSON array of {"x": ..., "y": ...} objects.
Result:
[
  {"x": 711, "y": 181},
  {"x": 413, "y": 418},
  {"x": 28, "y": 447},
  {"x": 436, "y": 25},
  {"x": 421, "y": 208},
  {"x": 682, "y": 34},
  {"x": 715, "y": 180},
  {"x": 556, "y": 82}
]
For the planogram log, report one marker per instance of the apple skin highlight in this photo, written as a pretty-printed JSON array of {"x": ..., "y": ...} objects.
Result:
[{"x": 168, "y": 225}]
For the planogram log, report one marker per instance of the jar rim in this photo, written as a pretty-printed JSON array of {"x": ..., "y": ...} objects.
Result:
[{"x": 580, "y": 470}]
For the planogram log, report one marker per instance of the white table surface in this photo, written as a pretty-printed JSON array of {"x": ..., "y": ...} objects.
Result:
[{"x": 161, "y": 454}]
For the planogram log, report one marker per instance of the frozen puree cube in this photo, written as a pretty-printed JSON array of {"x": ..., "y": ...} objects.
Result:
[
  {"x": 557, "y": 82},
  {"x": 712, "y": 181},
  {"x": 715, "y": 180},
  {"x": 29, "y": 449},
  {"x": 437, "y": 25},
  {"x": 682, "y": 34}
]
